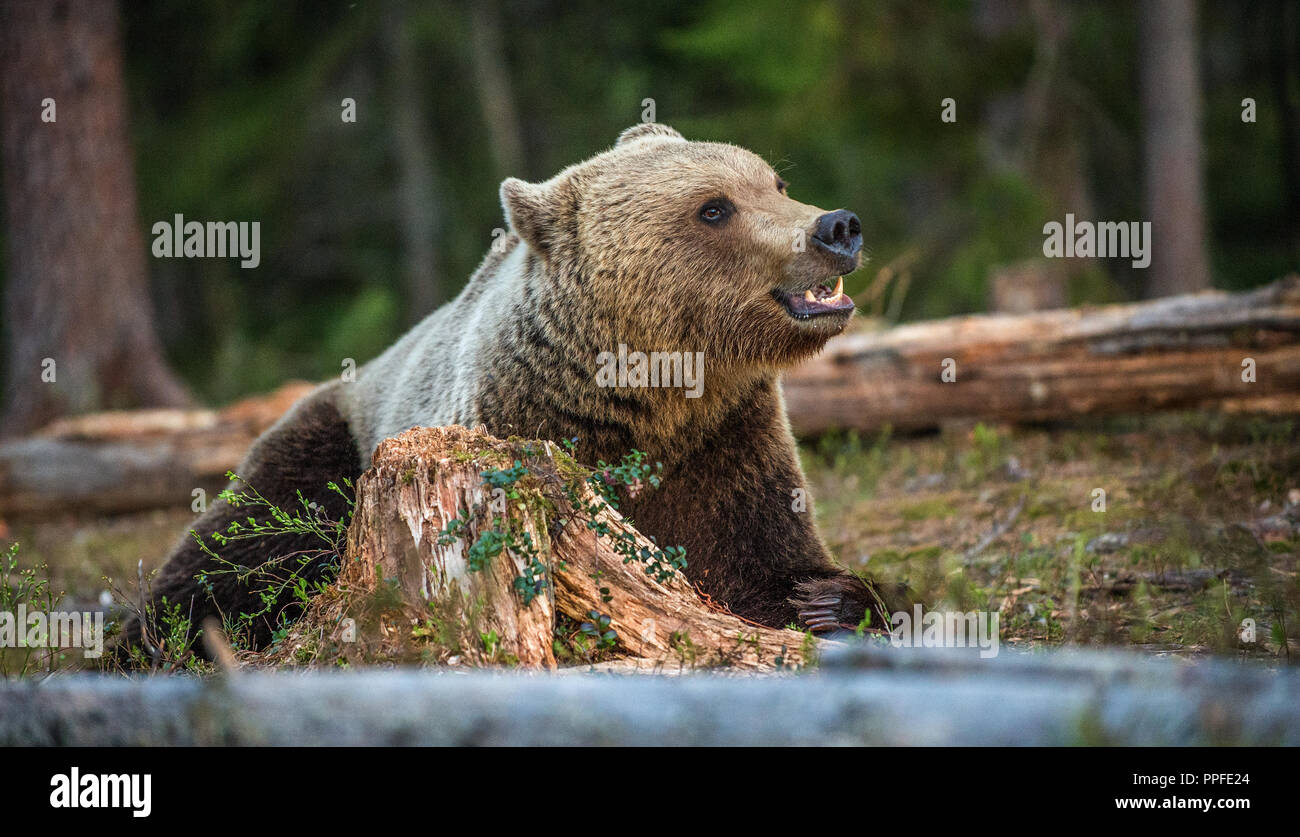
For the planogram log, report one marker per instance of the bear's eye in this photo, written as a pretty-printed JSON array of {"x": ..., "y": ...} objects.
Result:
[
  {"x": 780, "y": 185},
  {"x": 715, "y": 211}
]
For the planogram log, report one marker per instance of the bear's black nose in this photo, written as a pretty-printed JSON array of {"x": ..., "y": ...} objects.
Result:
[{"x": 840, "y": 232}]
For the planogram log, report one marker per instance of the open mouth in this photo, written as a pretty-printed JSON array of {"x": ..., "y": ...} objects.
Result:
[{"x": 815, "y": 302}]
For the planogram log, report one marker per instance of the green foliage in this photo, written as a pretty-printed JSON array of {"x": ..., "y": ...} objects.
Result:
[
  {"x": 488, "y": 546},
  {"x": 173, "y": 646},
  {"x": 532, "y": 583},
  {"x": 986, "y": 454},
  {"x": 502, "y": 537},
  {"x": 505, "y": 478},
  {"x": 28, "y": 587},
  {"x": 598, "y": 630},
  {"x": 283, "y": 574},
  {"x": 631, "y": 475}
]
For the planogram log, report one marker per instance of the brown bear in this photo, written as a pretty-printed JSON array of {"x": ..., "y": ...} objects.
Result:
[{"x": 656, "y": 245}]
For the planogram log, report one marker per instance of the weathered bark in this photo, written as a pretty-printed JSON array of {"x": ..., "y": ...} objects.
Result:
[
  {"x": 77, "y": 289},
  {"x": 1178, "y": 352},
  {"x": 662, "y": 622},
  {"x": 427, "y": 477},
  {"x": 413, "y": 490},
  {"x": 131, "y": 460}
]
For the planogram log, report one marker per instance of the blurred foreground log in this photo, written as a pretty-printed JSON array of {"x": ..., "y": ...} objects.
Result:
[
  {"x": 426, "y": 478},
  {"x": 1178, "y": 352},
  {"x": 863, "y": 696}
]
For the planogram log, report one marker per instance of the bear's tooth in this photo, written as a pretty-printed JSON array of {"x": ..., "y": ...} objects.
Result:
[
  {"x": 835, "y": 298},
  {"x": 839, "y": 286},
  {"x": 808, "y": 295}
]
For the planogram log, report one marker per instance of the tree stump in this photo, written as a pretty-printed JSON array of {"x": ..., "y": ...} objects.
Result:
[
  {"x": 416, "y": 487},
  {"x": 427, "y": 520}
]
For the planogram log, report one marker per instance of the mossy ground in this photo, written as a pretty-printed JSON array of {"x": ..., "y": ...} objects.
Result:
[
  {"x": 1173, "y": 565},
  {"x": 1195, "y": 536}
]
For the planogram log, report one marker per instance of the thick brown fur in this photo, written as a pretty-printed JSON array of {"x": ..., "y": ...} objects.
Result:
[{"x": 626, "y": 261}]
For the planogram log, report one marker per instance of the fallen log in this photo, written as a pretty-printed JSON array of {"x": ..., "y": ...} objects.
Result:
[
  {"x": 1178, "y": 352},
  {"x": 129, "y": 460},
  {"x": 504, "y": 536}
]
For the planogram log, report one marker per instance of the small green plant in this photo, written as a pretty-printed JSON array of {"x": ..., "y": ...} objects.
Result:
[
  {"x": 298, "y": 576},
  {"x": 598, "y": 629},
  {"x": 28, "y": 588},
  {"x": 503, "y": 536},
  {"x": 632, "y": 474},
  {"x": 988, "y": 451},
  {"x": 455, "y": 528},
  {"x": 684, "y": 647},
  {"x": 491, "y": 642},
  {"x": 171, "y": 644},
  {"x": 487, "y": 546},
  {"x": 506, "y": 478},
  {"x": 532, "y": 583},
  {"x": 808, "y": 650}
]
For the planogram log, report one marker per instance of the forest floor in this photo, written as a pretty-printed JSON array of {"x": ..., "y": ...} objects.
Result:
[{"x": 1200, "y": 529}]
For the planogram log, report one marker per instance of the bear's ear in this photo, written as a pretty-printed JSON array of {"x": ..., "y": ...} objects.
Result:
[
  {"x": 647, "y": 129},
  {"x": 535, "y": 210}
]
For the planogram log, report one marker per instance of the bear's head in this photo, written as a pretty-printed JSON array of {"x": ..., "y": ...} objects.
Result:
[{"x": 691, "y": 246}]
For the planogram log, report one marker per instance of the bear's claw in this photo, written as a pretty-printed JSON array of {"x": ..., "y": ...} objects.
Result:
[
  {"x": 818, "y": 624},
  {"x": 821, "y": 606},
  {"x": 836, "y": 603}
]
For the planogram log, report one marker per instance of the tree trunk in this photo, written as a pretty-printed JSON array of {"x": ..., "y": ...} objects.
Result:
[
  {"x": 492, "y": 77},
  {"x": 1171, "y": 116},
  {"x": 426, "y": 478},
  {"x": 1285, "y": 66},
  {"x": 410, "y": 495},
  {"x": 1177, "y": 352},
  {"x": 77, "y": 309},
  {"x": 421, "y": 208}
]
